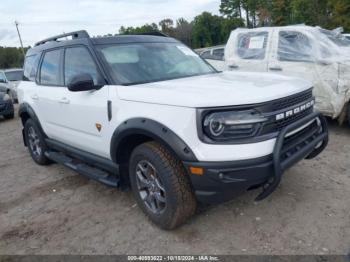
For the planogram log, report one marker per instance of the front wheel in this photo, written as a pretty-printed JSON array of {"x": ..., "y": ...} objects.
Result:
[{"x": 161, "y": 186}]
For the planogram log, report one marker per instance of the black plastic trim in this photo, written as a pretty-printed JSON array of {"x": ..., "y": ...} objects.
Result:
[
  {"x": 26, "y": 108},
  {"x": 307, "y": 151},
  {"x": 223, "y": 181},
  {"x": 154, "y": 130},
  {"x": 91, "y": 159}
]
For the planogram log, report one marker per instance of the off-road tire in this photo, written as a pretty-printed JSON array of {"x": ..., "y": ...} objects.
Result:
[
  {"x": 40, "y": 159},
  {"x": 180, "y": 201},
  {"x": 9, "y": 116}
]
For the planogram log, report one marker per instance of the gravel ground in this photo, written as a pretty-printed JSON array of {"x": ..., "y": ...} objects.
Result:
[{"x": 52, "y": 210}]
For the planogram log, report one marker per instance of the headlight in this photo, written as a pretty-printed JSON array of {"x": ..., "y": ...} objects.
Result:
[{"x": 224, "y": 126}]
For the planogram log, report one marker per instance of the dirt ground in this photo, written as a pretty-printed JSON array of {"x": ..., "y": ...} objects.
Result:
[{"x": 52, "y": 210}]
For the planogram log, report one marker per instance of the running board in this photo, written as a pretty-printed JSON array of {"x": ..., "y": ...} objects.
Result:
[{"x": 83, "y": 168}]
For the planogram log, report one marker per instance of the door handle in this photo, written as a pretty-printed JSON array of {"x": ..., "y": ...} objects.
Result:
[
  {"x": 64, "y": 100},
  {"x": 275, "y": 68},
  {"x": 233, "y": 66},
  {"x": 35, "y": 97}
]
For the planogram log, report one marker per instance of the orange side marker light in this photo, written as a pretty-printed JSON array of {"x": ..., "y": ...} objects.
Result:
[{"x": 197, "y": 171}]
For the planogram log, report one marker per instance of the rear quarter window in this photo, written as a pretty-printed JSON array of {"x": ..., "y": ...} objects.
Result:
[
  {"x": 31, "y": 67},
  {"x": 252, "y": 45}
]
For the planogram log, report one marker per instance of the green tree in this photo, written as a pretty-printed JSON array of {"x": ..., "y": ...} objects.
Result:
[
  {"x": 207, "y": 30},
  {"x": 339, "y": 14},
  {"x": 231, "y": 8},
  {"x": 167, "y": 26},
  {"x": 147, "y": 28},
  {"x": 183, "y": 31},
  {"x": 11, "y": 57}
]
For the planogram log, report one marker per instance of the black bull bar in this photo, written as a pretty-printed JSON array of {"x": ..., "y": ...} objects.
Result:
[{"x": 306, "y": 145}]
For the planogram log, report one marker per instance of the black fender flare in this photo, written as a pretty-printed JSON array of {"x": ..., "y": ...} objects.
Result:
[
  {"x": 154, "y": 130},
  {"x": 25, "y": 108}
]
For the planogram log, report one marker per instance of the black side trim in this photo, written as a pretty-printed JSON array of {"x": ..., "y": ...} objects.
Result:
[
  {"x": 155, "y": 130},
  {"x": 109, "y": 110},
  {"x": 26, "y": 108},
  {"x": 91, "y": 159}
]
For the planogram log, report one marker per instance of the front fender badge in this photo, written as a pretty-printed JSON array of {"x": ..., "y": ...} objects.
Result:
[{"x": 99, "y": 127}]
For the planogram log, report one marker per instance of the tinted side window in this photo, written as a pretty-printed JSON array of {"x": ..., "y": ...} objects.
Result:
[
  {"x": 77, "y": 61},
  {"x": 219, "y": 53},
  {"x": 30, "y": 67},
  {"x": 252, "y": 45},
  {"x": 206, "y": 54},
  {"x": 50, "y": 68},
  {"x": 294, "y": 46},
  {"x": 2, "y": 78}
]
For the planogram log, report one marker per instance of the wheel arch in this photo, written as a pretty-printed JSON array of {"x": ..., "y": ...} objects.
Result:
[
  {"x": 136, "y": 131},
  {"x": 26, "y": 112}
]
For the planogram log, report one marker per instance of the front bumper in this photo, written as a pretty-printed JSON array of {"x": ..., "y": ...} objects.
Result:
[
  {"x": 222, "y": 181},
  {"x": 6, "y": 108}
]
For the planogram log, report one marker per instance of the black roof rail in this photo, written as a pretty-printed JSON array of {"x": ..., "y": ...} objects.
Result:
[
  {"x": 155, "y": 33},
  {"x": 74, "y": 35}
]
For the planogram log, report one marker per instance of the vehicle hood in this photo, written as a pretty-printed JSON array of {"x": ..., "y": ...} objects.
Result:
[{"x": 221, "y": 89}]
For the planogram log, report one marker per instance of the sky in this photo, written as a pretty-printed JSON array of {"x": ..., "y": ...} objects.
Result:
[{"x": 40, "y": 19}]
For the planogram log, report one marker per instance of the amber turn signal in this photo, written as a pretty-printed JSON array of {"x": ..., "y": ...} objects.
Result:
[{"x": 197, "y": 171}]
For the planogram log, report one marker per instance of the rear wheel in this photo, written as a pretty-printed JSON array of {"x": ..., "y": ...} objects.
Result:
[
  {"x": 35, "y": 142},
  {"x": 161, "y": 186}
]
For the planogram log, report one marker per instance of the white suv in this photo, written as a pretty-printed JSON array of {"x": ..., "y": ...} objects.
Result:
[{"x": 146, "y": 111}]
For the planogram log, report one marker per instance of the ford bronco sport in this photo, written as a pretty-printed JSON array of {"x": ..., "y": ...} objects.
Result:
[{"x": 146, "y": 111}]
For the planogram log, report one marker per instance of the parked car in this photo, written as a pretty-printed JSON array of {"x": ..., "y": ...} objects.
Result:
[
  {"x": 6, "y": 105},
  {"x": 10, "y": 78},
  {"x": 214, "y": 55},
  {"x": 147, "y": 112},
  {"x": 310, "y": 53}
]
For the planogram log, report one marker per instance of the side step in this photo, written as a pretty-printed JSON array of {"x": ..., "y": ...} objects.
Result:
[{"x": 83, "y": 168}]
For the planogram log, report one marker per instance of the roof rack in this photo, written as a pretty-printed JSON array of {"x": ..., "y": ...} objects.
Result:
[
  {"x": 74, "y": 35},
  {"x": 155, "y": 33}
]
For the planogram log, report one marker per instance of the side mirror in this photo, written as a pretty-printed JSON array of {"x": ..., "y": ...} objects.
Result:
[{"x": 82, "y": 82}]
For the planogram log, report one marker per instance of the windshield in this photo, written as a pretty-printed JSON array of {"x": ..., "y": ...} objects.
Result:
[
  {"x": 14, "y": 75},
  {"x": 150, "y": 62}
]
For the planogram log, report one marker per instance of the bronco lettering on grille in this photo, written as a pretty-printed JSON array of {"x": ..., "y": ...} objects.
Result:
[{"x": 295, "y": 111}]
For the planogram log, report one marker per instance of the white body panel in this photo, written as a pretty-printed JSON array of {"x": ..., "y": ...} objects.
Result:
[
  {"x": 222, "y": 89},
  {"x": 71, "y": 117}
]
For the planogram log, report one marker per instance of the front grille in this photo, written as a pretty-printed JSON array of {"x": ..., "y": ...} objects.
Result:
[
  {"x": 275, "y": 107},
  {"x": 277, "y": 126},
  {"x": 291, "y": 100}
]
